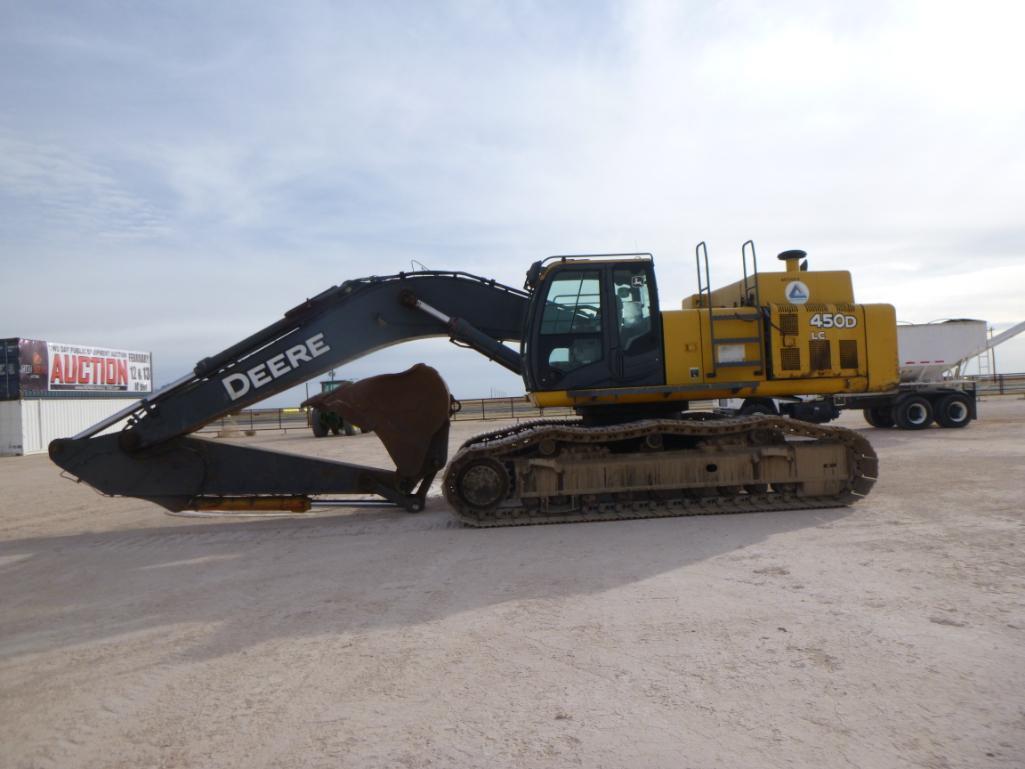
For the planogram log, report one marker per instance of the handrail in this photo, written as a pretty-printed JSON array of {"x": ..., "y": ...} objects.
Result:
[
  {"x": 639, "y": 255},
  {"x": 705, "y": 298},
  {"x": 754, "y": 272}
]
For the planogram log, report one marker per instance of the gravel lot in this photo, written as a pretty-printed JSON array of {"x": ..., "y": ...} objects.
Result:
[{"x": 889, "y": 634}]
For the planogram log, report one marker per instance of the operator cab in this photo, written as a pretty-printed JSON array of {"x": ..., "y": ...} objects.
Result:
[{"x": 593, "y": 323}]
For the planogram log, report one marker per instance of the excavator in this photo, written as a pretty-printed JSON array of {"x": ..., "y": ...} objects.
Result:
[{"x": 586, "y": 332}]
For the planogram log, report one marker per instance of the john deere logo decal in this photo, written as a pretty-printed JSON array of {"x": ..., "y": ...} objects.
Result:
[{"x": 796, "y": 292}]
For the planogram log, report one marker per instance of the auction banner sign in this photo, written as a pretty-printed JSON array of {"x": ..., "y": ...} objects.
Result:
[{"x": 56, "y": 367}]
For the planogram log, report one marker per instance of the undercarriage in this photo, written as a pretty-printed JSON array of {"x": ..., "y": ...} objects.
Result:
[{"x": 561, "y": 472}]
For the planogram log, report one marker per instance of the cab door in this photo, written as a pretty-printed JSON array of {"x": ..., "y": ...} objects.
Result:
[
  {"x": 596, "y": 325},
  {"x": 636, "y": 341},
  {"x": 568, "y": 346}
]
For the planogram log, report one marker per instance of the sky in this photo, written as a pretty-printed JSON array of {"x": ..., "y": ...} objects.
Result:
[{"x": 174, "y": 176}]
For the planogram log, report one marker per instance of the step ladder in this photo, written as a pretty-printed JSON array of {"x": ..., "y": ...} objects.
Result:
[
  {"x": 985, "y": 361},
  {"x": 750, "y": 286},
  {"x": 754, "y": 299}
]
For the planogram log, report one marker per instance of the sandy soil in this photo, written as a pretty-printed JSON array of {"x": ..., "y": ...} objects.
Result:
[{"x": 890, "y": 634}]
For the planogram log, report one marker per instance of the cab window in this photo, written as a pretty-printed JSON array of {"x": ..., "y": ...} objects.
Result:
[
  {"x": 633, "y": 307},
  {"x": 571, "y": 321},
  {"x": 573, "y": 304}
]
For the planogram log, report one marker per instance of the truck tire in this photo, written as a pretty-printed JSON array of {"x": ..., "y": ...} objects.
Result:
[
  {"x": 348, "y": 428},
  {"x": 912, "y": 412},
  {"x": 757, "y": 407},
  {"x": 317, "y": 423},
  {"x": 953, "y": 410},
  {"x": 879, "y": 416}
]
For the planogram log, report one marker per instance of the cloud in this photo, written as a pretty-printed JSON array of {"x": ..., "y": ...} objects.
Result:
[
  {"x": 46, "y": 186},
  {"x": 202, "y": 168}
]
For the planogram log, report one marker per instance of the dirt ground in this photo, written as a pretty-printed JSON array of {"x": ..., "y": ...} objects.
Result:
[{"x": 889, "y": 634}]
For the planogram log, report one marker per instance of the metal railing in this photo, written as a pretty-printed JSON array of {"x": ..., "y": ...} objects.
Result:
[
  {"x": 518, "y": 408},
  {"x": 255, "y": 420},
  {"x": 998, "y": 384},
  {"x": 483, "y": 409},
  {"x": 471, "y": 409}
]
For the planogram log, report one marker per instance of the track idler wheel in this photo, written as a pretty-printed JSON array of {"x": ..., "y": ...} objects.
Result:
[{"x": 482, "y": 484}]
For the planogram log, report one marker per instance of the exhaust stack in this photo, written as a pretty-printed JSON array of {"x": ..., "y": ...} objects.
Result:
[{"x": 793, "y": 259}]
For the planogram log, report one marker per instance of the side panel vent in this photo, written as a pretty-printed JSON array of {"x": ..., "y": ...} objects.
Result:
[
  {"x": 849, "y": 353},
  {"x": 820, "y": 354},
  {"x": 788, "y": 323},
  {"x": 790, "y": 358}
]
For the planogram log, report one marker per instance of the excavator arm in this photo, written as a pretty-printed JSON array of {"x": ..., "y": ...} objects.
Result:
[{"x": 154, "y": 458}]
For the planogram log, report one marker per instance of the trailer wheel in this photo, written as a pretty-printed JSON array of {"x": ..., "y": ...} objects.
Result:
[
  {"x": 879, "y": 417},
  {"x": 954, "y": 410},
  {"x": 912, "y": 413},
  {"x": 318, "y": 424}
]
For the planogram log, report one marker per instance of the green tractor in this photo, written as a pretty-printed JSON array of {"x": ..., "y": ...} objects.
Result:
[{"x": 322, "y": 418}]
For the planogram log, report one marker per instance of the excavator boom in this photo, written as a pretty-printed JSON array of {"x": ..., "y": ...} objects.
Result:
[{"x": 152, "y": 457}]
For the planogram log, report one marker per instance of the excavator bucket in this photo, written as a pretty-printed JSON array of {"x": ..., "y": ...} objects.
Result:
[{"x": 409, "y": 412}]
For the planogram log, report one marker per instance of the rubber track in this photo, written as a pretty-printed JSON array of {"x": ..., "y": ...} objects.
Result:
[
  {"x": 516, "y": 429},
  {"x": 519, "y": 440}
]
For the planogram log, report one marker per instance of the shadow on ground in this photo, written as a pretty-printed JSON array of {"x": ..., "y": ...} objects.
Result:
[{"x": 262, "y": 580}]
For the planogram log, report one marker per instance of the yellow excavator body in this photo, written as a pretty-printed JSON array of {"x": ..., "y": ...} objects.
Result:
[{"x": 774, "y": 334}]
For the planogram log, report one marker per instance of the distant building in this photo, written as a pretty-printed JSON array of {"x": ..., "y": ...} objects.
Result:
[{"x": 52, "y": 390}]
